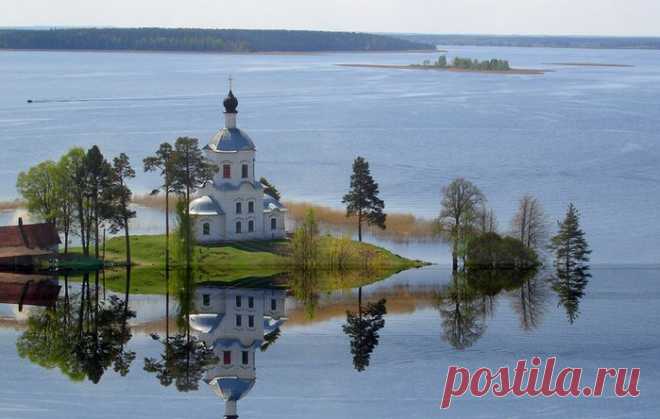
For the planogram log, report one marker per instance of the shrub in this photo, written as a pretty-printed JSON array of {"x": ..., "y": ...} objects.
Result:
[{"x": 491, "y": 251}]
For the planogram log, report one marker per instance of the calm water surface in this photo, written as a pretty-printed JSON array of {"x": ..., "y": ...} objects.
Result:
[
  {"x": 309, "y": 372},
  {"x": 587, "y": 135}
]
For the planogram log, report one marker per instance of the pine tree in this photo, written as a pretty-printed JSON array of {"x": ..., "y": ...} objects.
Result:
[
  {"x": 571, "y": 262},
  {"x": 270, "y": 189},
  {"x": 362, "y": 200},
  {"x": 569, "y": 245}
]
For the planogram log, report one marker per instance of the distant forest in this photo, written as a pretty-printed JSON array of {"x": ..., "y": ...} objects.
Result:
[
  {"x": 536, "y": 41},
  {"x": 202, "y": 40}
]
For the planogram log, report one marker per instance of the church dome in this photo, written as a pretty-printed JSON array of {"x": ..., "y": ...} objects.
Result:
[
  {"x": 231, "y": 388},
  {"x": 231, "y": 139},
  {"x": 230, "y": 103},
  {"x": 205, "y": 205}
]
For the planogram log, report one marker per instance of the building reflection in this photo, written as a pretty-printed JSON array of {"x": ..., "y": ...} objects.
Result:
[{"x": 234, "y": 322}]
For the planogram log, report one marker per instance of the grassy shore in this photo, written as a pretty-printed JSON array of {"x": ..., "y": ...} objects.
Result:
[{"x": 362, "y": 263}]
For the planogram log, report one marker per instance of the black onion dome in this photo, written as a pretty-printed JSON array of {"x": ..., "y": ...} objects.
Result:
[{"x": 230, "y": 102}]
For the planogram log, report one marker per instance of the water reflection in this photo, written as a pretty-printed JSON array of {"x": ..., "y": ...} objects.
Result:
[
  {"x": 83, "y": 335},
  {"x": 234, "y": 322},
  {"x": 468, "y": 301},
  {"x": 362, "y": 329}
]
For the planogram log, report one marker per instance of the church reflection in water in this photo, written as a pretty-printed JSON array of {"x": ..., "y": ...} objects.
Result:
[{"x": 234, "y": 322}]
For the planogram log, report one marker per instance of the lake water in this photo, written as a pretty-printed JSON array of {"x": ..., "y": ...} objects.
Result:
[
  {"x": 586, "y": 135},
  {"x": 309, "y": 372}
]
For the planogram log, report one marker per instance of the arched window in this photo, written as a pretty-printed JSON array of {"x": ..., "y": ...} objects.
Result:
[
  {"x": 238, "y": 227},
  {"x": 239, "y": 208},
  {"x": 251, "y": 226},
  {"x": 226, "y": 171},
  {"x": 206, "y": 229},
  {"x": 273, "y": 223},
  {"x": 250, "y": 207},
  {"x": 244, "y": 171}
]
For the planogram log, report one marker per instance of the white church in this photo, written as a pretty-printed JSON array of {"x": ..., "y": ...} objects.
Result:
[
  {"x": 235, "y": 322},
  {"x": 233, "y": 205}
]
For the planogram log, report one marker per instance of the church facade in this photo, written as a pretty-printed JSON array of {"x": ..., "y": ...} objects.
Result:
[{"x": 233, "y": 205}]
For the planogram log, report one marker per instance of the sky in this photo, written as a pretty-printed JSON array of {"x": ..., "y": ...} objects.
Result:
[{"x": 544, "y": 17}]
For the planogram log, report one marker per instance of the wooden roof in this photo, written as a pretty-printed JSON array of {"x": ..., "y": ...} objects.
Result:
[{"x": 27, "y": 236}]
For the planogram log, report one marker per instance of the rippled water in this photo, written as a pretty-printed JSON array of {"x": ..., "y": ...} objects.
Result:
[
  {"x": 587, "y": 135},
  {"x": 308, "y": 371}
]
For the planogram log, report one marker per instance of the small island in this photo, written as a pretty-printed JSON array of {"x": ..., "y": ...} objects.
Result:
[{"x": 458, "y": 64}]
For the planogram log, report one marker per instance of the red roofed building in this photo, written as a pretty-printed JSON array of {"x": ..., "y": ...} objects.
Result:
[{"x": 25, "y": 245}]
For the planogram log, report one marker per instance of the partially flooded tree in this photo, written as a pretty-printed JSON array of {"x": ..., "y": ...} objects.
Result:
[
  {"x": 461, "y": 202},
  {"x": 530, "y": 224},
  {"x": 362, "y": 329},
  {"x": 362, "y": 200},
  {"x": 571, "y": 252}
]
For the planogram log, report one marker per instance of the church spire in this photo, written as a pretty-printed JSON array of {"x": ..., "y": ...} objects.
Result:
[{"x": 230, "y": 103}]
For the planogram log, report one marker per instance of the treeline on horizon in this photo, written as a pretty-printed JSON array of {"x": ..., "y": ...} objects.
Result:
[
  {"x": 597, "y": 42},
  {"x": 201, "y": 40}
]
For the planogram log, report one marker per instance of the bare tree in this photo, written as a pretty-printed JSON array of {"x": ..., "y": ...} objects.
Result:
[
  {"x": 530, "y": 224},
  {"x": 461, "y": 202}
]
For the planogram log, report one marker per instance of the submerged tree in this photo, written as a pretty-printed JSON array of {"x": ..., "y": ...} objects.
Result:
[
  {"x": 529, "y": 224},
  {"x": 362, "y": 329},
  {"x": 571, "y": 252},
  {"x": 362, "y": 200},
  {"x": 461, "y": 202}
]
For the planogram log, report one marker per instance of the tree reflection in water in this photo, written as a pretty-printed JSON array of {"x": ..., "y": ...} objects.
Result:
[
  {"x": 83, "y": 335},
  {"x": 463, "y": 312},
  {"x": 570, "y": 288},
  {"x": 362, "y": 329},
  {"x": 469, "y": 300},
  {"x": 184, "y": 359}
]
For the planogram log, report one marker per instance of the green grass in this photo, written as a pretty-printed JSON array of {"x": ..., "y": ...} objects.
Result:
[{"x": 238, "y": 262}]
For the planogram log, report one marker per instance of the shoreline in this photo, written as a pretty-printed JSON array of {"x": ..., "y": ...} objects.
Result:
[
  {"x": 156, "y": 51},
  {"x": 513, "y": 71}
]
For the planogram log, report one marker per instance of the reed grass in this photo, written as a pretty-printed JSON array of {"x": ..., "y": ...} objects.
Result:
[{"x": 399, "y": 227}]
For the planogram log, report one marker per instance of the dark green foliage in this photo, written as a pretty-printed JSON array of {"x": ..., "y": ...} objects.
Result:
[
  {"x": 184, "y": 362},
  {"x": 82, "y": 336},
  {"x": 218, "y": 40},
  {"x": 492, "y": 251},
  {"x": 571, "y": 252},
  {"x": 362, "y": 329},
  {"x": 270, "y": 189},
  {"x": 487, "y": 65},
  {"x": 362, "y": 200}
]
